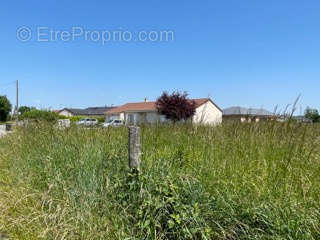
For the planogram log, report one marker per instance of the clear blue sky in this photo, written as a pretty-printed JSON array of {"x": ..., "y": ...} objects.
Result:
[{"x": 248, "y": 53}]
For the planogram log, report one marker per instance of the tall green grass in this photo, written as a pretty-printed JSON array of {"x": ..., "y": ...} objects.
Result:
[{"x": 234, "y": 181}]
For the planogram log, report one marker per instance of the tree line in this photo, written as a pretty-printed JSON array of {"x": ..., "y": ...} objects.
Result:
[
  {"x": 312, "y": 114},
  {"x": 176, "y": 107},
  {"x": 24, "y": 112}
]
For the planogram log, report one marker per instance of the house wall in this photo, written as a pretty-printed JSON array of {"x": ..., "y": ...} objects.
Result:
[
  {"x": 114, "y": 116},
  {"x": 207, "y": 113},
  {"x": 130, "y": 118},
  {"x": 153, "y": 117},
  {"x": 141, "y": 117},
  {"x": 135, "y": 118},
  {"x": 66, "y": 113}
]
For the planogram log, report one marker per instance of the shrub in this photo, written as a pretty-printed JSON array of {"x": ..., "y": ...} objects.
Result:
[
  {"x": 24, "y": 109},
  {"x": 74, "y": 119},
  {"x": 41, "y": 115},
  {"x": 163, "y": 207},
  {"x": 100, "y": 119},
  {"x": 78, "y": 118}
]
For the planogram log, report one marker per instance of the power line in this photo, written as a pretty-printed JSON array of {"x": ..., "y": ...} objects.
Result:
[{"x": 7, "y": 84}]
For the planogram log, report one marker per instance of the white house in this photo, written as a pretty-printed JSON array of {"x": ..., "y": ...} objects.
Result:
[{"x": 207, "y": 112}]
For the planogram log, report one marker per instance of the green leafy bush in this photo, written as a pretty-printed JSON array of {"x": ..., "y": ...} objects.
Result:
[
  {"x": 5, "y": 108},
  {"x": 42, "y": 115},
  {"x": 100, "y": 119},
  {"x": 163, "y": 207},
  {"x": 74, "y": 119},
  {"x": 24, "y": 109}
]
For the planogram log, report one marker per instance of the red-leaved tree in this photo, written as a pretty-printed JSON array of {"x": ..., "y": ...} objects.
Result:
[{"x": 176, "y": 106}]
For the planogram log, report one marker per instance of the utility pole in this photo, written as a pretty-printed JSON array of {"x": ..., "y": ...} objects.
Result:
[{"x": 17, "y": 98}]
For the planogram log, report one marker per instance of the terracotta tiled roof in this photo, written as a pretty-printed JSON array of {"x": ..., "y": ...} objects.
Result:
[
  {"x": 149, "y": 106},
  {"x": 130, "y": 107}
]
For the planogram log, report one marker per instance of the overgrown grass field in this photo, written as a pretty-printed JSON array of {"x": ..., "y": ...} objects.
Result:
[{"x": 234, "y": 181}]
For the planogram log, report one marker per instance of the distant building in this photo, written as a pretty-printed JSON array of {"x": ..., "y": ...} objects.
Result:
[
  {"x": 242, "y": 114},
  {"x": 299, "y": 119},
  {"x": 302, "y": 119},
  {"x": 207, "y": 112},
  {"x": 91, "y": 111}
]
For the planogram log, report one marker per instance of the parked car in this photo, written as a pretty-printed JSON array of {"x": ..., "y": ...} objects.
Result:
[
  {"x": 87, "y": 122},
  {"x": 113, "y": 123}
]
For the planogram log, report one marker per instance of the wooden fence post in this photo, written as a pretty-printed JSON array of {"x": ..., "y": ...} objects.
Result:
[{"x": 134, "y": 148}]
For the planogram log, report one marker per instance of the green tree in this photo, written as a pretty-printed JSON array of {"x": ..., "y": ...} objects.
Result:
[
  {"x": 24, "y": 109},
  {"x": 5, "y": 108},
  {"x": 312, "y": 114}
]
